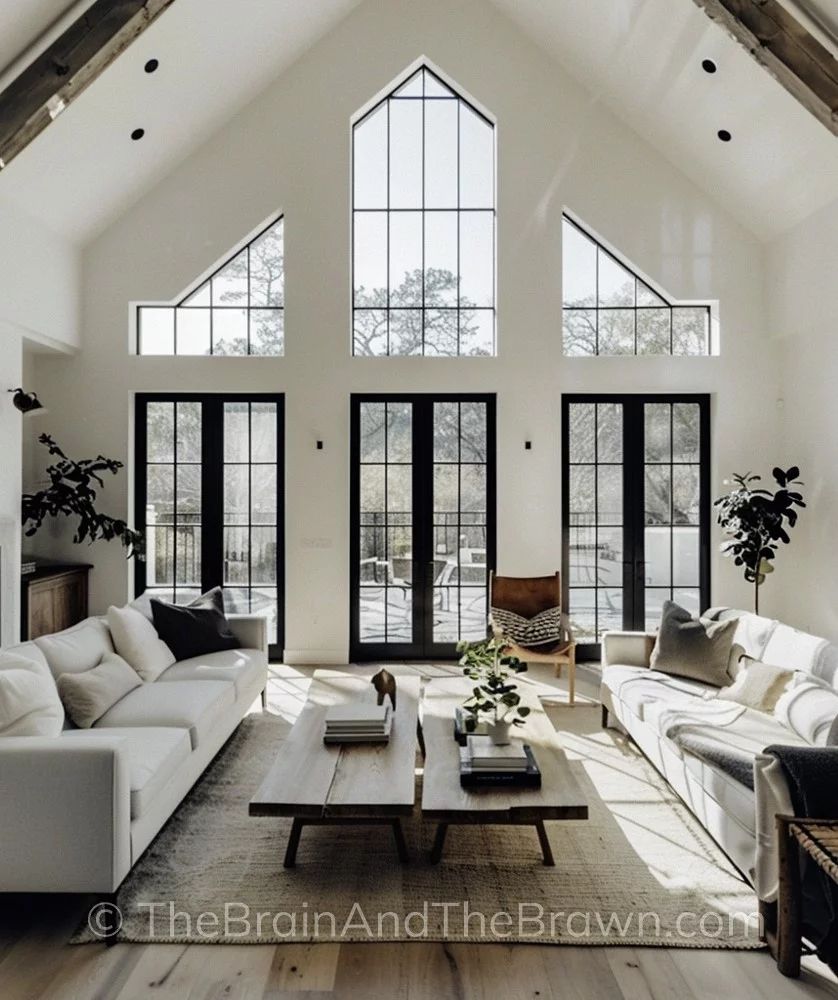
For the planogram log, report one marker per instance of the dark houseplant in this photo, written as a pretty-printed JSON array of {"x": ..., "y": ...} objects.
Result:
[
  {"x": 72, "y": 493},
  {"x": 756, "y": 521}
]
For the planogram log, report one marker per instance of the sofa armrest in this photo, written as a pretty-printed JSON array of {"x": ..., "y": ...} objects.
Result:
[
  {"x": 250, "y": 630},
  {"x": 65, "y": 820},
  {"x": 632, "y": 649},
  {"x": 773, "y": 798}
]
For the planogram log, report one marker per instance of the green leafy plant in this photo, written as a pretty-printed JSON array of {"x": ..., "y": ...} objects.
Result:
[
  {"x": 71, "y": 493},
  {"x": 493, "y": 695},
  {"x": 756, "y": 521}
]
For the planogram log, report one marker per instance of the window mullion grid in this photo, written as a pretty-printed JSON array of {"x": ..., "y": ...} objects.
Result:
[
  {"x": 385, "y": 518},
  {"x": 387, "y": 237},
  {"x": 459, "y": 219},
  {"x": 459, "y": 512},
  {"x": 596, "y": 504},
  {"x": 671, "y": 501}
]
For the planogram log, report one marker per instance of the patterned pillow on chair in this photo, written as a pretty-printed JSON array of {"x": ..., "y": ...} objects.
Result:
[{"x": 541, "y": 633}]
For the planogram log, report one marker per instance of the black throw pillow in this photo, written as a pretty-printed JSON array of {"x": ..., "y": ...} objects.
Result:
[{"x": 194, "y": 629}]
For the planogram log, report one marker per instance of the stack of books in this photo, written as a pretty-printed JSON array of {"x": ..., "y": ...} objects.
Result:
[
  {"x": 484, "y": 763},
  {"x": 358, "y": 722}
]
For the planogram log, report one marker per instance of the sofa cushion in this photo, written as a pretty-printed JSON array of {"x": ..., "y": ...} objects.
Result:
[
  {"x": 808, "y": 708},
  {"x": 191, "y": 705},
  {"x": 78, "y": 648},
  {"x": 750, "y": 637},
  {"x": 691, "y": 647},
  {"x": 29, "y": 702},
  {"x": 88, "y": 695},
  {"x": 757, "y": 686},
  {"x": 241, "y": 666},
  {"x": 137, "y": 641},
  {"x": 154, "y": 755},
  {"x": 789, "y": 647},
  {"x": 197, "y": 628},
  {"x": 29, "y": 651},
  {"x": 637, "y": 687}
]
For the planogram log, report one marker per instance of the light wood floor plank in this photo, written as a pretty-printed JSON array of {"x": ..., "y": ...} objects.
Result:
[
  {"x": 581, "y": 974},
  {"x": 200, "y": 972},
  {"x": 303, "y": 968},
  {"x": 373, "y": 971},
  {"x": 648, "y": 974}
]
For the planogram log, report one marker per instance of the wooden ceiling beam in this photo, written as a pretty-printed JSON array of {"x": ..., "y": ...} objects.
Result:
[
  {"x": 784, "y": 47},
  {"x": 68, "y": 66}
]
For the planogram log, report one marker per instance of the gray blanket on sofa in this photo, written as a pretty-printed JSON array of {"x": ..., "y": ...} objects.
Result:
[{"x": 739, "y": 764}]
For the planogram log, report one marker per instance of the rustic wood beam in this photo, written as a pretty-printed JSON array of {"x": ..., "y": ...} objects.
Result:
[
  {"x": 68, "y": 66},
  {"x": 783, "y": 46}
]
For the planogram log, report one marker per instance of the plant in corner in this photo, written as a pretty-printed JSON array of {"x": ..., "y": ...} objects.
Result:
[
  {"x": 493, "y": 695},
  {"x": 71, "y": 493},
  {"x": 756, "y": 521}
]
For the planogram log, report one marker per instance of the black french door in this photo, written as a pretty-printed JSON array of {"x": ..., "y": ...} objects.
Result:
[
  {"x": 422, "y": 523},
  {"x": 635, "y": 510},
  {"x": 209, "y": 491}
]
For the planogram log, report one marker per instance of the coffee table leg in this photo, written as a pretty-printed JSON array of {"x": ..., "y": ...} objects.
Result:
[
  {"x": 543, "y": 839},
  {"x": 420, "y": 736},
  {"x": 401, "y": 843},
  {"x": 439, "y": 843},
  {"x": 293, "y": 843}
]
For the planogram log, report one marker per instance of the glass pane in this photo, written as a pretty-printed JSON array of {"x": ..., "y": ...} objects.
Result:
[
  {"x": 263, "y": 432},
  {"x": 616, "y": 283},
  {"x": 477, "y": 259},
  {"x": 373, "y": 416},
  {"x": 616, "y": 331},
  {"x": 229, "y": 285},
  {"x": 188, "y": 480},
  {"x": 236, "y": 556},
  {"x": 236, "y": 494},
  {"x": 405, "y": 154},
  {"x": 400, "y": 563},
  {"x": 658, "y": 554},
  {"x": 236, "y": 432},
  {"x": 473, "y": 432},
  {"x": 609, "y": 557},
  {"x": 160, "y": 490},
  {"x": 156, "y": 329},
  {"x": 187, "y": 562},
  {"x": 372, "y": 617},
  {"x": 609, "y": 432},
  {"x": 267, "y": 332},
  {"x": 446, "y": 614},
  {"x": 160, "y": 445},
  {"x": 473, "y": 613},
  {"x": 658, "y": 495},
  {"x": 405, "y": 331},
  {"x": 686, "y": 431},
  {"x": 399, "y": 615},
  {"x": 654, "y": 607},
  {"x": 653, "y": 331},
  {"x": 656, "y": 431},
  {"x": 579, "y": 332},
  {"x": 399, "y": 432},
  {"x": 441, "y": 164},
  {"x": 414, "y": 87},
  {"x": 477, "y": 160},
  {"x": 399, "y": 492},
  {"x": 405, "y": 259},
  {"x": 685, "y": 494},
  {"x": 685, "y": 557},
  {"x": 582, "y": 614},
  {"x": 609, "y": 609},
  {"x": 473, "y": 489},
  {"x": 267, "y": 266},
  {"x": 434, "y": 87},
  {"x": 445, "y": 490},
  {"x": 441, "y": 333},
  {"x": 583, "y": 569},
  {"x": 188, "y": 431},
  {"x": 370, "y": 258},
  {"x": 200, "y": 297},
  {"x": 610, "y": 494},
  {"x": 440, "y": 258},
  {"x": 690, "y": 330},
  {"x": 582, "y": 432},
  {"x": 582, "y": 505},
  {"x": 263, "y": 494},
  {"x": 263, "y": 555},
  {"x": 477, "y": 332},
  {"x": 370, "y": 160},
  {"x": 372, "y": 489},
  {"x": 446, "y": 432},
  {"x": 578, "y": 268},
  {"x": 690, "y": 600},
  {"x": 370, "y": 331},
  {"x": 193, "y": 331},
  {"x": 229, "y": 331},
  {"x": 647, "y": 297}
]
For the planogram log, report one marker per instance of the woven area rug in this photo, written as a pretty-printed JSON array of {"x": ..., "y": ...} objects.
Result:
[{"x": 640, "y": 871}]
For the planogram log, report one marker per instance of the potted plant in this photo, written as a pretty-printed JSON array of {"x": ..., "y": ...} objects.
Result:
[
  {"x": 71, "y": 492},
  {"x": 756, "y": 521},
  {"x": 494, "y": 699}
]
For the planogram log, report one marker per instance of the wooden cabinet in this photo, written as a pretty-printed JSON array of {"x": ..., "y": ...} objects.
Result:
[{"x": 53, "y": 598}]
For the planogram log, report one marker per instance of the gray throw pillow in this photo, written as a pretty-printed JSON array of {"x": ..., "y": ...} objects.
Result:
[
  {"x": 696, "y": 648},
  {"x": 88, "y": 695}
]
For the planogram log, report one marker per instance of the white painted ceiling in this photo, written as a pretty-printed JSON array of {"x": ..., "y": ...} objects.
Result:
[{"x": 641, "y": 58}]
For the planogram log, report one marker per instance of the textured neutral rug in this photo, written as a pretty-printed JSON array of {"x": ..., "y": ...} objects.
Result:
[{"x": 640, "y": 871}]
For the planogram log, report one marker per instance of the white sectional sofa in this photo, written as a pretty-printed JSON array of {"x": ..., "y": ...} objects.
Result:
[
  {"x": 77, "y": 810},
  {"x": 652, "y": 706}
]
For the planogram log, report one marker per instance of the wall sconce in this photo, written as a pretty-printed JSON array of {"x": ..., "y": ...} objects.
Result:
[{"x": 26, "y": 402}]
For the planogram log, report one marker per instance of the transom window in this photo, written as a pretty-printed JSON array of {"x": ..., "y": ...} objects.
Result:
[
  {"x": 608, "y": 309},
  {"x": 238, "y": 310},
  {"x": 423, "y": 224}
]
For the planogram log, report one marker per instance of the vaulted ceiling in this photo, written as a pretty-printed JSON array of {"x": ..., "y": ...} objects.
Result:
[{"x": 640, "y": 58}]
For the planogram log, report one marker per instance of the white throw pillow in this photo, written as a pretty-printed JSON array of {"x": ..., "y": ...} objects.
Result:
[
  {"x": 29, "y": 702},
  {"x": 757, "y": 685},
  {"x": 137, "y": 641},
  {"x": 808, "y": 708},
  {"x": 88, "y": 695}
]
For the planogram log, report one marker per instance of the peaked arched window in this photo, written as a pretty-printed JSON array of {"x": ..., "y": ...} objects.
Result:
[
  {"x": 423, "y": 256},
  {"x": 238, "y": 309}
]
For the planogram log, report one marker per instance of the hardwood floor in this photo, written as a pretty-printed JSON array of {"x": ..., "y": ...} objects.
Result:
[{"x": 37, "y": 964}]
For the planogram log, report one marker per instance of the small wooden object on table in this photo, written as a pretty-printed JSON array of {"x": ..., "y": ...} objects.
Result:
[
  {"x": 447, "y": 803},
  {"x": 819, "y": 839},
  {"x": 363, "y": 784}
]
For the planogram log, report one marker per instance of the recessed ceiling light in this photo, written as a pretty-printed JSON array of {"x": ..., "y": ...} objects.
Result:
[
  {"x": 724, "y": 135},
  {"x": 151, "y": 65},
  {"x": 138, "y": 133},
  {"x": 708, "y": 66}
]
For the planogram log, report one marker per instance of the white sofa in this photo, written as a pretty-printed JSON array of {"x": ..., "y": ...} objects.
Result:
[
  {"x": 650, "y": 704},
  {"x": 77, "y": 810}
]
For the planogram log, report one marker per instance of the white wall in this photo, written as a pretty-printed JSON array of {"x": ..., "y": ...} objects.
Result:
[
  {"x": 289, "y": 150},
  {"x": 11, "y": 361},
  {"x": 803, "y": 306}
]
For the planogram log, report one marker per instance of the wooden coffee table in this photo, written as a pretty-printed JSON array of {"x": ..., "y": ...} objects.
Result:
[
  {"x": 447, "y": 803},
  {"x": 362, "y": 783}
]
